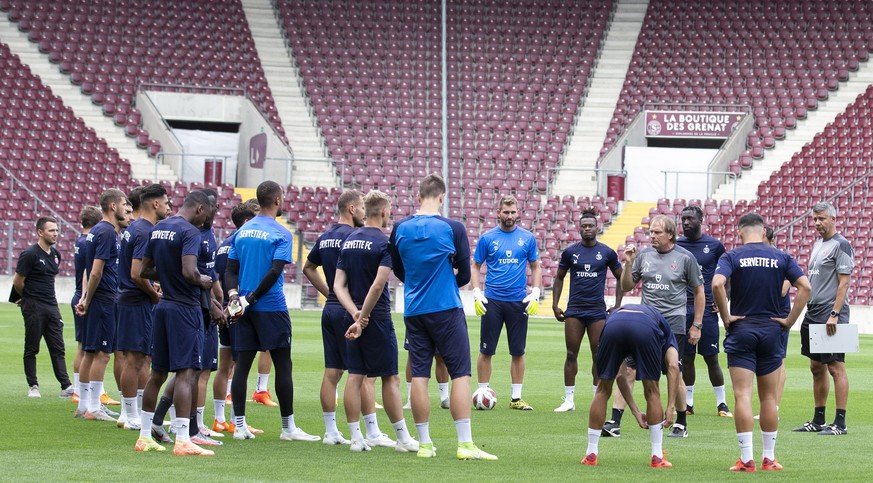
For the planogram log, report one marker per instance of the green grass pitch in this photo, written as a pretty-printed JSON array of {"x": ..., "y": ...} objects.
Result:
[{"x": 42, "y": 442}]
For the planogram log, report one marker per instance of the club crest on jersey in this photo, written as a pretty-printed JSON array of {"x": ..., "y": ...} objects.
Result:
[
  {"x": 658, "y": 278},
  {"x": 520, "y": 242},
  {"x": 706, "y": 249},
  {"x": 598, "y": 256},
  {"x": 674, "y": 265}
]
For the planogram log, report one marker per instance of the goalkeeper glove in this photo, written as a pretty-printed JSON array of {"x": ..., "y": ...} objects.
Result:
[
  {"x": 479, "y": 302},
  {"x": 533, "y": 301},
  {"x": 236, "y": 307}
]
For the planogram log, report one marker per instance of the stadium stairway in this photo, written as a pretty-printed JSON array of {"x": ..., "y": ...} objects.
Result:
[
  {"x": 141, "y": 165},
  {"x": 623, "y": 225},
  {"x": 815, "y": 122},
  {"x": 311, "y": 168},
  {"x": 606, "y": 83}
]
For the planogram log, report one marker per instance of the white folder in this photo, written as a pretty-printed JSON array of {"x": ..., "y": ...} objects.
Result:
[{"x": 845, "y": 340}]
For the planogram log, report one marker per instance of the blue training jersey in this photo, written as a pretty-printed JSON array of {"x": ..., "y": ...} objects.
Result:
[
  {"x": 425, "y": 250},
  {"x": 170, "y": 240},
  {"x": 506, "y": 255},
  {"x": 707, "y": 250},
  {"x": 102, "y": 244},
  {"x": 587, "y": 267},
  {"x": 364, "y": 251},
  {"x": 221, "y": 262},
  {"x": 756, "y": 272},
  {"x": 132, "y": 247},
  {"x": 326, "y": 252},
  {"x": 260, "y": 241},
  {"x": 206, "y": 261},
  {"x": 647, "y": 315},
  {"x": 79, "y": 262}
]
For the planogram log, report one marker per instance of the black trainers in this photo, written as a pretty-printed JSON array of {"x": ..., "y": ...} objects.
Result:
[
  {"x": 611, "y": 429},
  {"x": 832, "y": 430},
  {"x": 678, "y": 431},
  {"x": 810, "y": 427},
  {"x": 689, "y": 409},
  {"x": 723, "y": 411}
]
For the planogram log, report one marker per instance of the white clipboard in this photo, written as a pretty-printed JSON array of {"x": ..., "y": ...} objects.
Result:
[{"x": 845, "y": 340}]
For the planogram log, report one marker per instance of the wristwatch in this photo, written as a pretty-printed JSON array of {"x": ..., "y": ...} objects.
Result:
[
  {"x": 698, "y": 326},
  {"x": 834, "y": 313}
]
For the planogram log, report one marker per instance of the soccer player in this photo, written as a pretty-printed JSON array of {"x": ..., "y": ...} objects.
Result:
[
  {"x": 641, "y": 332},
  {"x": 506, "y": 250},
  {"x": 257, "y": 257},
  {"x": 587, "y": 262},
  {"x": 177, "y": 340},
  {"x": 426, "y": 250},
  {"x": 770, "y": 239},
  {"x": 88, "y": 217},
  {"x": 136, "y": 300},
  {"x": 830, "y": 270},
  {"x": 707, "y": 251},
  {"x": 667, "y": 271},
  {"x": 350, "y": 208},
  {"x": 361, "y": 286},
  {"x": 753, "y": 324},
  {"x": 34, "y": 280},
  {"x": 97, "y": 304}
]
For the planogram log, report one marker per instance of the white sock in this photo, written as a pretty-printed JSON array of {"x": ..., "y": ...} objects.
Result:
[
  {"x": 172, "y": 412},
  {"x": 465, "y": 431},
  {"x": 239, "y": 421},
  {"x": 139, "y": 393},
  {"x": 182, "y": 426},
  {"x": 408, "y": 391},
  {"x": 76, "y": 380},
  {"x": 84, "y": 396},
  {"x": 200, "y": 416},
  {"x": 570, "y": 392},
  {"x": 444, "y": 390},
  {"x": 656, "y": 436},
  {"x": 423, "y": 430},
  {"x": 229, "y": 381},
  {"x": 719, "y": 395},
  {"x": 401, "y": 432},
  {"x": 218, "y": 408},
  {"x": 145, "y": 420},
  {"x": 128, "y": 408},
  {"x": 483, "y": 384},
  {"x": 288, "y": 424},
  {"x": 593, "y": 390},
  {"x": 330, "y": 422},
  {"x": 516, "y": 391},
  {"x": 355, "y": 431},
  {"x": 689, "y": 395},
  {"x": 593, "y": 441},
  {"x": 769, "y": 445},
  {"x": 372, "y": 426},
  {"x": 263, "y": 382},
  {"x": 94, "y": 400},
  {"x": 746, "y": 446}
]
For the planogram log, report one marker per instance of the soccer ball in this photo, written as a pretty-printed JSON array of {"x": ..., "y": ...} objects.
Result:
[{"x": 484, "y": 398}]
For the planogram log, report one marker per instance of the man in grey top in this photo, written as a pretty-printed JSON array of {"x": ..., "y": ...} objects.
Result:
[
  {"x": 667, "y": 271},
  {"x": 830, "y": 268}
]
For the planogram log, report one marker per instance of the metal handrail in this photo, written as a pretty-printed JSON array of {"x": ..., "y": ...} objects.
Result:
[
  {"x": 549, "y": 171},
  {"x": 805, "y": 215},
  {"x": 707, "y": 172},
  {"x": 55, "y": 214}
]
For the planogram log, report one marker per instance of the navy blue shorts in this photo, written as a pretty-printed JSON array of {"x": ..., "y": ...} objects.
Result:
[
  {"x": 99, "y": 328},
  {"x": 785, "y": 335},
  {"x": 586, "y": 316},
  {"x": 443, "y": 332},
  {"x": 210, "y": 345},
  {"x": 755, "y": 345},
  {"x": 334, "y": 325},
  {"x": 226, "y": 336},
  {"x": 263, "y": 331},
  {"x": 177, "y": 340},
  {"x": 514, "y": 315},
  {"x": 708, "y": 343},
  {"x": 78, "y": 322},
  {"x": 135, "y": 324},
  {"x": 623, "y": 337},
  {"x": 374, "y": 353}
]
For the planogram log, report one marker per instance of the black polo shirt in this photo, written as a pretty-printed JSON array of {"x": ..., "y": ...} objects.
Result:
[{"x": 39, "y": 269}]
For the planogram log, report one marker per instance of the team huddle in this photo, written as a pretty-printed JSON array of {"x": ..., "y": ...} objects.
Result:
[{"x": 158, "y": 291}]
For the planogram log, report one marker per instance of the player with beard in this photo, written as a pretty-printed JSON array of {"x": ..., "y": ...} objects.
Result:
[
  {"x": 587, "y": 262},
  {"x": 88, "y": 217}
]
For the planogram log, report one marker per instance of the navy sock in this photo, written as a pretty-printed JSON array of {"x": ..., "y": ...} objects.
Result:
[{"x": 819, "y": 417}]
